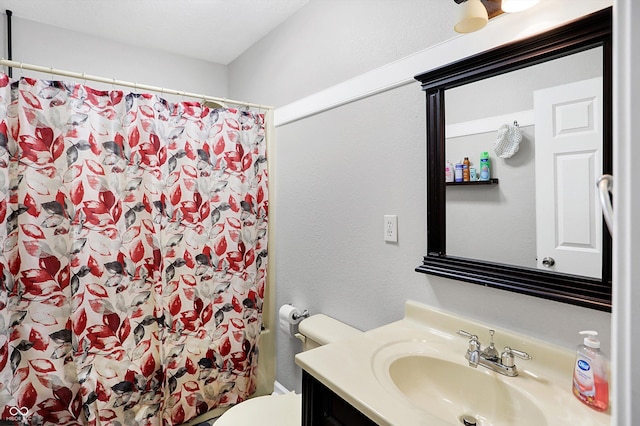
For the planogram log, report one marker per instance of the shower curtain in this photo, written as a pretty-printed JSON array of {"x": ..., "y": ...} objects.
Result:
[{"x": 133, "y": 248}]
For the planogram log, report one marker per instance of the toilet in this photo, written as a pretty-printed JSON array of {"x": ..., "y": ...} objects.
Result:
[{"x": 286, "y": 410}]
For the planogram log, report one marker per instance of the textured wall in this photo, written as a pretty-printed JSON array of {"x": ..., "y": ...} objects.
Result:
[
  {"x": 338, "y": 172},
  {"x": 329, "y": 41},
  {"x": 50, "y": 46}
]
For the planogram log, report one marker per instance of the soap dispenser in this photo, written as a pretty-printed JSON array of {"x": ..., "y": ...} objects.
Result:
[{"x": 590, "y": 375}]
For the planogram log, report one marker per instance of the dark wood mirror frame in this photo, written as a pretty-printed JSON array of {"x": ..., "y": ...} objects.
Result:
[{"x": 588, "y": 32}]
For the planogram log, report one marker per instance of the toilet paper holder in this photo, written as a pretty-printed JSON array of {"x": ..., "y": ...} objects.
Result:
[
  {"x": 302, "y": 315},
  {"x": 289, "y": 317}
]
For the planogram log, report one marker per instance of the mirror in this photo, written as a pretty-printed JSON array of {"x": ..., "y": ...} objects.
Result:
[{"x": 537, "y": 229}]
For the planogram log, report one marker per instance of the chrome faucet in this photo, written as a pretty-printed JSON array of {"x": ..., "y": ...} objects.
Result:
[{"x": 490, "y": 358}]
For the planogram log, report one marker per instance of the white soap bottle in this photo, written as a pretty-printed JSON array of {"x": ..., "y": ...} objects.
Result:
[
  {"x": 448, "y": 172},
  {"x": 590, "y": 374}
]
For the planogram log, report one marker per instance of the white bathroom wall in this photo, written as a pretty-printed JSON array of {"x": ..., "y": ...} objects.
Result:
[
  {"x": 340, "y": 171},
  {"x": 50, "y": 46},
  {"x": 329, "y": 41}
]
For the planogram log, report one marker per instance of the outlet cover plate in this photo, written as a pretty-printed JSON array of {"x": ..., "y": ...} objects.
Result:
[{"x": 391, "y": 228}]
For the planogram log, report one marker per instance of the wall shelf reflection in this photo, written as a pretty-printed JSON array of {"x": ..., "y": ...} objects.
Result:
[{"x": 477, "y": 182}]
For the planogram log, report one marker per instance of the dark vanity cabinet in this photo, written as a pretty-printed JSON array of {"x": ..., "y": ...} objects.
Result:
[{"x": 322, "y": 407}]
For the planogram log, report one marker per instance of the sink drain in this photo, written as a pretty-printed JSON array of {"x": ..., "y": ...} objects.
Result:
[{"x": 468, "y": 420}]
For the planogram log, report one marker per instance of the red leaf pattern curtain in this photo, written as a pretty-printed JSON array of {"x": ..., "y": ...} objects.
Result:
[{"x": 133, "y": 246}]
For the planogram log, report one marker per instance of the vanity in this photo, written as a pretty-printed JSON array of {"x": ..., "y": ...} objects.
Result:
[
  {"x": 415, "y": 372},
  {"x": 322, "y": 406}
]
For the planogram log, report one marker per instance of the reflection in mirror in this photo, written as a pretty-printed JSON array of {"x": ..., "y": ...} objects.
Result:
[
  {"x": 500, "y": 223},
  {"x": 544, "y": 193}
]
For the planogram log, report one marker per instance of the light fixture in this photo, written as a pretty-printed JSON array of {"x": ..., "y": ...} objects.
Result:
[
  {"x": 474, "y": 17},
  {"x": 512, "y": 6}
]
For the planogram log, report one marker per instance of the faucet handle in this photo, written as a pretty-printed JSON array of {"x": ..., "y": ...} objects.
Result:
[
  {"x": 507, "y": 357},
  {"x": 467, "y": 334},
  {"x": 474, "y": 343}
]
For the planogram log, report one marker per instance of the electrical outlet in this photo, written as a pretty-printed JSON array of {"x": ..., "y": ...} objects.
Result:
[{"x": 391, "y": 228}]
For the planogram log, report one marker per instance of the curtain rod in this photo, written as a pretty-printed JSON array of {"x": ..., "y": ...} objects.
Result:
[
  {"x": 82, "y": 76},
  {"x": 9, "y": 41}
]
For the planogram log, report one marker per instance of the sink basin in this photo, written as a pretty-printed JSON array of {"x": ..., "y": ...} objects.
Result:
[{"x": 450, "y": 391}]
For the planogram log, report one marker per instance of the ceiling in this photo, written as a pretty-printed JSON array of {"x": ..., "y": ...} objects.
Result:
[{"x": 184, "y": 27}]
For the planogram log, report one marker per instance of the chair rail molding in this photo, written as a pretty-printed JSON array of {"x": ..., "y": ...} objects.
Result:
[{"x": 503, "y": 29}]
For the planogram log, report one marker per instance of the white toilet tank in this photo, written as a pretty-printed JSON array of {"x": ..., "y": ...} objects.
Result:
[{"x": 319, "y": 329}]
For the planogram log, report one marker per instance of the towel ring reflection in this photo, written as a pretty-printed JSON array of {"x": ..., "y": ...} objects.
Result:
[{"x": 605, "y": 185}]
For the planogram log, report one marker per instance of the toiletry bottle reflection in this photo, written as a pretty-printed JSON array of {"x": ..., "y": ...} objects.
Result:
[
  {"x": 465, "y": 169},
  {"x": 448, "y": 172},
  {"x": 458, "y": 172},
  {"x": 485, "y": 166}
]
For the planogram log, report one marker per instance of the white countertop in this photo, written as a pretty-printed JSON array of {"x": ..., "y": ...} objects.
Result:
[{"x": 354, "y": 368}]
